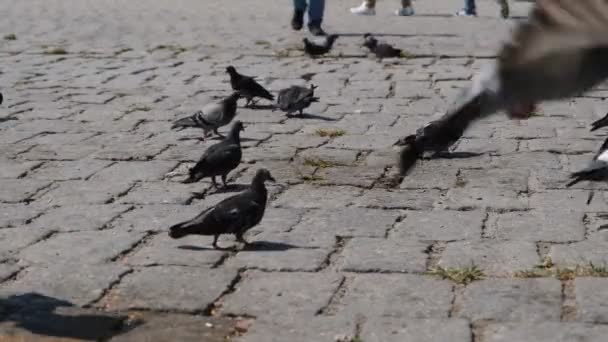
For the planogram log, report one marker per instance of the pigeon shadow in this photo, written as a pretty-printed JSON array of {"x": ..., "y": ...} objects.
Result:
[
  {"x": 257, "y": 106},
  {"x": 231, "y": 188},
  {"x": 10, "y": 118},
  {"x": 255, "y": 246},
  {"x": 270, "y": 246},
  {"x": 48, "y": 316},
  {"x": 456, "y": 155},
  {"x": 400, "y": 35},
  {"x": 311, "y": 116}
]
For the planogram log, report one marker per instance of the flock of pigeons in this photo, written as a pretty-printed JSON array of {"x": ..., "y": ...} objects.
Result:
[
  {"x": 236, "y": 214},
  {"x": 239, "y": 213},
  {"x": 324, "y": 45}
]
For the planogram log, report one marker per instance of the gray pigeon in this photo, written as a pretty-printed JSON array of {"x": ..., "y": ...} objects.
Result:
[
  {"x": 381, "y": 50},
  {"x": 597, "y": 170},
  {"x": 219, "y": 159},
  {"x": 234, "y": 215},
  {"x": 296, "y": 99},
  {"x": 313, "y": 49},
  {"x": 559, "y": 52},
  {"x": 247, "y": 86},
  {"x": 212, "y": 116}
]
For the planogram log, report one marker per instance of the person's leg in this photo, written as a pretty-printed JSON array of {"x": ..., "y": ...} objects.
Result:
[
  {"x": 366, "y": 8},
  {"x": 297, "y": 21},
  {"x": 316, "y": 8},
  {"x": 469, "y": 9},
  {"x": 406, "y": 8}
]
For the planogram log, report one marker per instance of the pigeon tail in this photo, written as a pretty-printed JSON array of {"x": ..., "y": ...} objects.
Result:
[
  {"x": 185, "y": 122},
  {"x": 599, "y": 124}
]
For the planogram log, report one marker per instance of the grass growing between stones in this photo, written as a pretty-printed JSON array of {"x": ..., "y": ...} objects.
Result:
[
  {"x": 320, "y": 163},
  {"x": 548, "y": 269},
  {"x": 10, "y": 36},
  {"x": 462, "y": 275},
  {"x": 311, "y": 178},
  {"x": 332, "y": 133}
]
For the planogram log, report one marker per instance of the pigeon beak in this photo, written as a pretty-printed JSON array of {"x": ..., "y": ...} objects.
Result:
[{"x": 270, "y": 178}]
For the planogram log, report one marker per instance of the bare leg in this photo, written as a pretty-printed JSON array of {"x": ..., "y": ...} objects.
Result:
[
  {"x": 213, "y": 181},
  {"x": 224, "y": 181},
  {"x": 215, "y": 237},
  {"x": 248, "y": 101},
  {"x": 301, "y": 112}
]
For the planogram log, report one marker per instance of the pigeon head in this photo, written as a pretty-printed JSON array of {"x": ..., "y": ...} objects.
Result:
[
  {"x": 367, "y": 35},
  {"x": 331, "y": 38},
  {"x": 237, "y": 127},
  {"x": 370, "y": 43},
  {"x": 235, "y": 95},
  {"x": 231, "y": 70},
  {"x": 263, "y": 175}
]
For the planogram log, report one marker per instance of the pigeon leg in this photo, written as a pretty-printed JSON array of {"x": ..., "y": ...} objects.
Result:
[
  {"x": 218, "y": 133},
  {"x": 213, "y": 181},
  {"x": 224, "y": 181},
  {"x": 301, "y": 112},
  {"x": 240, "y": 238},
  {"x": 215, "y": 237},
  {"x": 248, "y": 101}
]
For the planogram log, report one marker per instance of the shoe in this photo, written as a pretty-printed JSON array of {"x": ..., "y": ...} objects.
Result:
[
  {"x": 405, "y": 11},
  {"x": 504, "y": 8},
  {"x": 363, "y": 10},
  {"x": 298, "y": 20},
  {"x": 315, "y": 29},
  {"x": 463, "y": 13}
]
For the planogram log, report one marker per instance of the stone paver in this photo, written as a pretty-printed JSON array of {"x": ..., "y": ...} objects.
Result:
[
  {"x": 90, "y": 181},
  {"x": 512, "y": 300}
]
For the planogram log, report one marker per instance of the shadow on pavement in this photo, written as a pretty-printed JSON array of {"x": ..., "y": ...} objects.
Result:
[{"x": 42, "y": 315}]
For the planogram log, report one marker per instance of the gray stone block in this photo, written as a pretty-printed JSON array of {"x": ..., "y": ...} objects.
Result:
[
  {"x": 402, "y": 296},
  {"x": 76, "y": 282},
  {"x": 289, "y": 294},
  {"x": 527, "y": 300},
  {"x": 544, "y": 332},
  {"x": 78, "y": 217},
  {"x": 440, "y": 225},
  {"x": 185, "y": 289},
  {"x": 188, "y": 251},
  {"x": 536, "y": 225},
  {"x": 306, "y": 196},
  {"x": 90, "y": 247},
  {"x": 395, "y": 329},
  {"x": 348, "y": 222},
  {"x": 384, "y": 255},
  {"x": 591, "y": 300},
  {"x": 414, "y": 199},
  {"x": 491, "y": 256}
]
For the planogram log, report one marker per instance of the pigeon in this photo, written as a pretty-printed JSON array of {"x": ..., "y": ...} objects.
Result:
[
  {"x": 247, "y": 86},
  {"x": 1, "y": 98},
  {"x": 382, "y": 50},
  {"x": 212, "y": 116},
  {"x": 219, "y": 159},
  {"x": 234, "y": 215},
  {"x": 296, "y": 99},
  {"x": 596, "y": 170},
  {"x": 603, "y": 122},
  {"x": 314, "y": 49},
  {"x": 559, "y": 52}
]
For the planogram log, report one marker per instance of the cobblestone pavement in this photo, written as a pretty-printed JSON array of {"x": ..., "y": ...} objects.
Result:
[{"x": 90, "y": 181}]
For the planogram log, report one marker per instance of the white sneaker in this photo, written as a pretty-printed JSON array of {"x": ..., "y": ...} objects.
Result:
[
  {"x": 405, "y": 12},
  {"x": 363, "y": 10}
]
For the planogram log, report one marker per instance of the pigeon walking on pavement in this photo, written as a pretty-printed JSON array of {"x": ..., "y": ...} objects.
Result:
[
  {"x": 381, "y": 50},
  {"x": 219, "y": 159},
  {"x": 212, "y": 116},
  {"x": 247, "y": 86},
  {"x": 317, "y": 49},
  {"x": 597, "y": 169},
  {"x": 296, "y": 99},
  {"x": 603, "y": 122},
  {"x": 234, "y": 215},
  {"x": 559, "y": 52}
]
